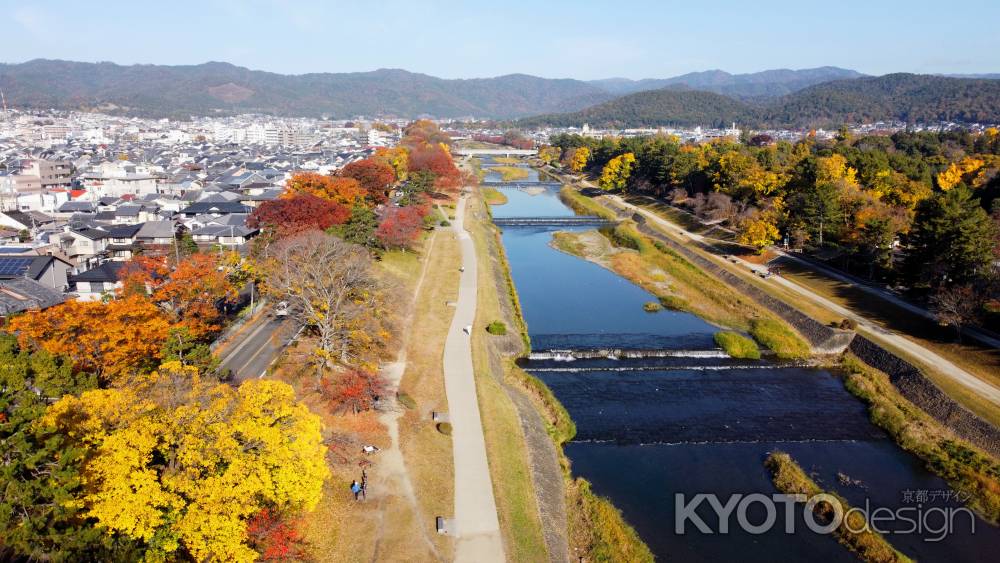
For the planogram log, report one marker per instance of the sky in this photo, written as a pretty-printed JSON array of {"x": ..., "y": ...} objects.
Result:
[{"x": 552, "y": 38}]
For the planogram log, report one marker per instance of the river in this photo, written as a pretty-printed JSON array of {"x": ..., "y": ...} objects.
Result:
[{"x": 695, "y": 421}]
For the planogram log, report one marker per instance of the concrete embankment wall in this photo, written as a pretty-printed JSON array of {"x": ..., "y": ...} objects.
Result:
[
  {"x": 923, "y": 393},
  {"x": 909, "y": 380}
]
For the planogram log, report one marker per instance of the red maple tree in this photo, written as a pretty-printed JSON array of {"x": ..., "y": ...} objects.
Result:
[
  {"x": 353, "y": 390},
  {"x": 302, "y": 212},
  {"x": 401, "y": 226},
  {"x": 274, "y": 538},
  {"x": 374, "y": 176}
]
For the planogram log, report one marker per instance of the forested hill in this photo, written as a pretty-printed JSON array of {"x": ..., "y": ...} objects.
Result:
[
  {"x": 905, "y": 97},
  {"x": 220, "y": 88},
  {"x": 750, "y": 86}
]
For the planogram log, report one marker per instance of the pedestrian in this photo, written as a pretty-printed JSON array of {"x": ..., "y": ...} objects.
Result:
[{"x": 356, "y": 489}]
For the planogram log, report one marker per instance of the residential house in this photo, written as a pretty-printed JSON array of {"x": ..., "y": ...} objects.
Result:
[
  {"x": 93, "y": 284},
  {"x": 49, "y": 271},
  {"x": 23, "y": 294}
]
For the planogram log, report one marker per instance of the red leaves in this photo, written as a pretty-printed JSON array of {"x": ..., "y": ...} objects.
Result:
[
  {"x": 297, "y": 214},
  {"x": 374, "y": 176},
  {"x": 436, "y": 159},
  {"x": 274, "y": 538},
  {"x": 401, "y": 226},
  {"x": 354, "y": 390}
]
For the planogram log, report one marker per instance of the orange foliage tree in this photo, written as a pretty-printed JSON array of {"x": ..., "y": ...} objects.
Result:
[
  {"x": 374, "y": 176},
  {"x": 345, "y": 191},
  {"x": 354, "y": 390},
  {"x": 115, "y": 340},
  {"x": 190, "y": 292}
]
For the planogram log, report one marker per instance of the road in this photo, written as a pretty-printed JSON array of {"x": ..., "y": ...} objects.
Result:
[
  {"x": 254, "y": 348},
  {"x": 475, "y": 521},
  {"x": 943, "y": 366}
]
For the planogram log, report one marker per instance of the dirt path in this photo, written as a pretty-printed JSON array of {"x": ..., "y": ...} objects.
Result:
[
  {"x": 391, "y": 484},
  {"x": 945, "y": 367}
]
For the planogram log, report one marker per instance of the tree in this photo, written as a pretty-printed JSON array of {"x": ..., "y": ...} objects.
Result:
[
  {"x": 957, "y": 306},
  {"x": 577, "y": 158},
  {"x": 116, "y": 340},
  {"x": 400, "y": 227},
  {"x": 397, "y": 157},
  {"x": 359, "y": 228},
  {"x": 331, "y": 290},
  {"x": 420, "y": 182},
  {"x": 616, "y": 172},
  {"x": 375, "y": 177},
  {"x": 435, "y": 158},
  {"x": 191, "y": 292},
  {"x": 354, "y": 390},
  {"x": 958, "y": 171},
  {"x": 40, "y": 469},
  {"x": 345, "y": 191},
  {"x": 289, "y": 216},
  {"x": 549, "y": 154},
  {"x": 759, "y": 232},
  {"x": 274, "y": 538},
  {"x": 180, "y": 463},
  {"x": 952, "y": 239}
]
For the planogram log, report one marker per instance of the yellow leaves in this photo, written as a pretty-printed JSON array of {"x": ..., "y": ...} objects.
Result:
[
  {"x": 834, "y": 168},
  {"x": 957, "y": 171},
  {"x": 549, "y": 154},
  {"x": 579, "y": 159},
  {"x": 759, "y": 233},
  {"x": 616, "y": 172},
  {"x": 739, "y": 173},
  {"x": 188, "y": 461}
]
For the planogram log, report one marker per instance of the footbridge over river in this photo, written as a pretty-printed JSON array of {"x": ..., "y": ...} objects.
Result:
[
  {"x": 495, "y": 152},
  {"x": 571, "y": 221},
  {"x": 522, "y": 185}
]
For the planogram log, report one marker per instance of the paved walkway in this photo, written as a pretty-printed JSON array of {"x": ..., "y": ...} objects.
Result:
[
  {"x": 475, "y": 520},
  {"x": 945, "y": 367}
]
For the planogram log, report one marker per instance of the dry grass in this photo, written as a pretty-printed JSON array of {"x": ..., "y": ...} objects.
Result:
[
  {"x": 979, "y": 360},
  {"x": 506, "y": 447},
  {"x": 869, "y": 546},
  {"x": 493, "y": 196},
  {"x": 510, "y": 173},
  {"x": 506, "y": 160},
  {"x": 427, "y": 452},
  {"x": 964, "y": 466}
]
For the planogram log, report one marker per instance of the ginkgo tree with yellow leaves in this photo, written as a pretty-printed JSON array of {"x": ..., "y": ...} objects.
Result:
[
  {"x": 616, "y": 172},
  {"x": 179, "y": 463}
]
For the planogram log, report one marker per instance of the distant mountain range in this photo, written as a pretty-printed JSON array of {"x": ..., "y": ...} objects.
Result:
[
  {"x": 817, "y": 96},
  {"x": 222, "y": 88},
  {"x": 753, "y": 86},
  {"x": 913, "y": 98}
]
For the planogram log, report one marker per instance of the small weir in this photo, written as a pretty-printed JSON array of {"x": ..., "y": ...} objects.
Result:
[{"x": 617, "y": 353}]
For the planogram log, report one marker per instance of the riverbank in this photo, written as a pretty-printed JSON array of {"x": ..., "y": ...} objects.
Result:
[
  {"x": 676, "y": 282},
  {"x": 589, "y": 525},
  {"x": 965, "y": 467},
  {"x": 869, "y": 546}
]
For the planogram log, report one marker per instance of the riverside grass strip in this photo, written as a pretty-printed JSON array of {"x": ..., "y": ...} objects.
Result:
[
  {"x": 869, "y": 546},
  {"x": 965, "y": 467}
]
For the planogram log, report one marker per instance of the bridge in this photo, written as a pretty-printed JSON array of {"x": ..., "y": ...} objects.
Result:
[
  {"x": 495, "y": 152},
  {"x": 522, "y": 185},
  {"x": 572, "y": 221}
]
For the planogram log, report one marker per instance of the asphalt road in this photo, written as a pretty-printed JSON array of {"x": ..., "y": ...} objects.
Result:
[{"x": 255, "y": 348}]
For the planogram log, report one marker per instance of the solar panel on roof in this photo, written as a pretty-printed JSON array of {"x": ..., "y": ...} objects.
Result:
[{"x": 14, "y": 266}]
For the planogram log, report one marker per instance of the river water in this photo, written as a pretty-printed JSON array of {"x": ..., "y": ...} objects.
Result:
[{"x": 695, "y": 421}]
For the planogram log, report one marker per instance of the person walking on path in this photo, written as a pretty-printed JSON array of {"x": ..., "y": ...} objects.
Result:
[{"x": 356, "y": 489}]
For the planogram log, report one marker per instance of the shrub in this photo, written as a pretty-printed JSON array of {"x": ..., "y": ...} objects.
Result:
[
  {"x": 445, "y": 223},
  {"x": 674, "y": 302},
  {"x": 849, "y": 324},
  {"x": 737, "y": 345},
  {"x": 778, "y": 337},
  {"x": 652, "y": 307},
  {"x": 406, "y": 400},
  {"x": 497, "y": 328},
  {"x": 444, "y": 428}
]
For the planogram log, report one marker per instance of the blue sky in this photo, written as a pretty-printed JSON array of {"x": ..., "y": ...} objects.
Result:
[{"x": 552, "y": 38}]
